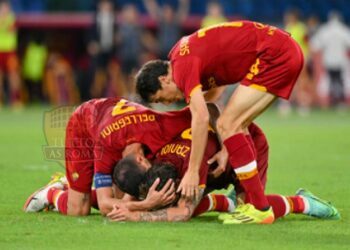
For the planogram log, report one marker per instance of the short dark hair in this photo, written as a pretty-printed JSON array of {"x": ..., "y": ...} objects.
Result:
[
  {"x": 147, "y": 82},
  {"x": 162, "y": 170},
  {"x": 128, "y": 175}
]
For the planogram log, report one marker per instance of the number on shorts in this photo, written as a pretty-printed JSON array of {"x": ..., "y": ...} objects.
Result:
[{"x": 254, "y": 70}]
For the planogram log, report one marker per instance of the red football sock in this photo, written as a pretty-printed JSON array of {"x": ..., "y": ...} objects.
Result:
[
  {"x": 297, "y": 204},
  {"x": 251, "y": 144},
  {"x": 59, "y": 199},
  {"x": 279, "y": 205},
  {"x": 214, "y": 202},
  {"x": 202, "y": 207},
  {"x": 242, "y": 159},
  {"x": 284, "y": 205}
]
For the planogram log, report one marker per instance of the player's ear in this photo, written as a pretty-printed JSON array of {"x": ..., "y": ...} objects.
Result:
[
  {"x": 138, "y": 158},
  {"x": 163, "y": 80}
]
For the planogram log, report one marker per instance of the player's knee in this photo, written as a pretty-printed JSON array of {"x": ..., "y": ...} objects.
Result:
[
  {"x": 78, "y": 210},
  {"x": 78, "y": 204},
  {"x": 226, "y": 127}
]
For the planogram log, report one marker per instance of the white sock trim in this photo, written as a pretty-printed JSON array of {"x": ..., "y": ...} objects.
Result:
[
  {"x": 246, "y": 168},
  {"x": 286, "y": 203},
  {"x": 58, "y": 196},
  {"x": 210, "y": 202},
  {"x": 306, "y": 204},
  {"x": 231, "y": 205}
]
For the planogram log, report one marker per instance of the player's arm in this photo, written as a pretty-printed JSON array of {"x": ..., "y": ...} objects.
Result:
[
  {"x": 154, "y": 198},
  {"x": 199, "y": 128},
  {"x": 106, "y": 197},
  {"x": 182, "y": 212}
]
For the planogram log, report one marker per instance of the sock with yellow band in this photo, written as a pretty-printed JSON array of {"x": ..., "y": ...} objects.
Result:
[{"x": 243, "y": 160}]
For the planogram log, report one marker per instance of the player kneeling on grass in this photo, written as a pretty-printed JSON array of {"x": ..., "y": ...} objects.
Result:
[
  {"x": 171, "y": 163},
  {"x": 99, "y": 133},
  {"x": 304, "y": 202},
  {"x": 54, "y": 196}
]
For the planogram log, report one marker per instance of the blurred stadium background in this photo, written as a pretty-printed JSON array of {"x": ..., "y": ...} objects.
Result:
[{"x": 62, "y": 52}]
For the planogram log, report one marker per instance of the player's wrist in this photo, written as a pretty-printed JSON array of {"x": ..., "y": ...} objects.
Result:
[
  {"x": 194, "y": 169},
  {"x": 146, "y": 204}
]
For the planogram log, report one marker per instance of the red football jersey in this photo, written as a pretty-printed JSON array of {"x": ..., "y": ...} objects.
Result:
[
  {"x": 222, "y": 54},
  {"x": 177, "y": 152},
  {"x": 113, "y": 123}
]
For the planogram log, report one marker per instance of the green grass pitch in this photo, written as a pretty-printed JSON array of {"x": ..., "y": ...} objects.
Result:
[{"x": 312, "y": 152}]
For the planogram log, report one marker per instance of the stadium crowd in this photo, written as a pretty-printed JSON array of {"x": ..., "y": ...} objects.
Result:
[{"x": 118, "y": 43}]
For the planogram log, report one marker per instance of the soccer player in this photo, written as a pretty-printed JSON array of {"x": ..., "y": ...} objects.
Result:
[
  {"x": 265, "y": 60},
  {"x": 171, "y": 164},
  {"x": 99, "y": 133},
  {"x": 177, "y": 153}
]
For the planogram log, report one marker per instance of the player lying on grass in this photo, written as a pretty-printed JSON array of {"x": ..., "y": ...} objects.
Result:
[
  {"x": 265, "y": 60},
  {"x": 99, "y": 133},
  {"x": 171, "y": 164}
]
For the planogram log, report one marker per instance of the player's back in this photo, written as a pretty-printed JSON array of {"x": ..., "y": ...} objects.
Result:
[
  {"x": 117, "y": 122},
  {"x": 225, "y": 52},
  {"x": 177, "y": 152},
  {"x": 97, "y": 113}
]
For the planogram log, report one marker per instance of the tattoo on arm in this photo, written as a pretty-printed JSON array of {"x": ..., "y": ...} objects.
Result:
[
  {"x": 160, "y": 215},
  {"x": 164, "y": 215},
  {"x": 190, "y": 207},
  {"x": 184, "y": 217}
]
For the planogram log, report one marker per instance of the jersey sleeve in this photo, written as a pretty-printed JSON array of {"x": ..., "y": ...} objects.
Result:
[{"x": 186, "y": 74}]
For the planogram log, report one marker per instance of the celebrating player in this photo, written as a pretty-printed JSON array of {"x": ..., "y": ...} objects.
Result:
[
  {"x": 99, "y": 133},
  {"x": 172, "y": 162},
  {"x": 265, "y": 60}
]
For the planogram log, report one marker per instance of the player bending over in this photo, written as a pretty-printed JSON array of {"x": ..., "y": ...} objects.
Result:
[
  {"x": 99, "y": 133},
  {"x": 265, "y": 60}
]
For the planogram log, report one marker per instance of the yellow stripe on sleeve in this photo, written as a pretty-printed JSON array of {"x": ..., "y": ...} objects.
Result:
[{"x": 199, "y": 86}]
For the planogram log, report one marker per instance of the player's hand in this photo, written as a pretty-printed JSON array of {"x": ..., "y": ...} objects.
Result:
[
  {"x": 221, "y": 158},
  {"x": 121, "y": 213},
  {"x": 189, "y": 186},
  {"x": 162, "y": 197}
]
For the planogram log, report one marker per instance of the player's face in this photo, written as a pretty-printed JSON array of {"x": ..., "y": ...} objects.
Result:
[{"x": 169, "y": 93}]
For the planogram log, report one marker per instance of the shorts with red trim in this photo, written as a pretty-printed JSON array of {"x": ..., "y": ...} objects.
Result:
[
  {"x": 276, "y": 71},
  {"x": 9, "y": 62},
  {"x": 79, "y": 154}
]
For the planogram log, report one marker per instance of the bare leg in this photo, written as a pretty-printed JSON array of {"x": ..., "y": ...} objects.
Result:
[
  {"x": 244, "y": 106},
  {"x": 78, "y": 203}
]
